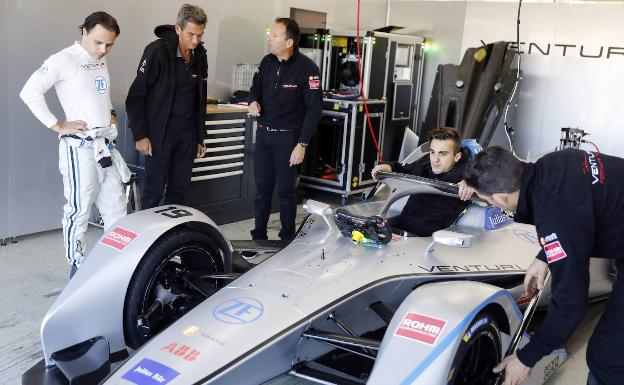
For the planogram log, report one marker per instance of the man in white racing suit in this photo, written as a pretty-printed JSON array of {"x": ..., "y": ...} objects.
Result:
[{"x": 92, "y": 169}]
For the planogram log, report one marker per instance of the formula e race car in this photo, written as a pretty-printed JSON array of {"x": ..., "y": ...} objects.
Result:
[{"x": 383, "y": 309}]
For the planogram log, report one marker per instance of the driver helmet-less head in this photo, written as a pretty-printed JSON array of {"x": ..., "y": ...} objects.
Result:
[{"x": 444, "y": 149}]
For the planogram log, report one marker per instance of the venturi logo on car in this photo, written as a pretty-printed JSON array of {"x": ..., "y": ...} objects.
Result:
[
  {"x": 119, "y": 238},
  {"x": 239, "y": 310},
  {"x": 421, "y": 328}
]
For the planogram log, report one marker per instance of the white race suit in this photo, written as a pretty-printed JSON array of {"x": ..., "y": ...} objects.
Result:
[{"x": 82, "y": 85}]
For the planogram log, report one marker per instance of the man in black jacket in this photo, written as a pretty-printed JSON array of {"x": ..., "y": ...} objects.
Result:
[
  {"x": 425, "y": 213},
  {"x": 286, "y": 97},
  {"x": 575, "y": 199},
  {"x": 166, "y": 106}
]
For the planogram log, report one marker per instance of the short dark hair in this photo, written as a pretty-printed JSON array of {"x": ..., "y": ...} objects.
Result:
[
  {"x": 292, "y": 30},
  {"x": 494, "y": 170},
  {"x": 193, "y": 13},
  {"x": 445, "y": 133},
  {"x": 101, "y": 18}
]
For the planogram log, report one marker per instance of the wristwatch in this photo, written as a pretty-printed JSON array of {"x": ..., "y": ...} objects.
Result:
[{"x": 304, "y": 145}]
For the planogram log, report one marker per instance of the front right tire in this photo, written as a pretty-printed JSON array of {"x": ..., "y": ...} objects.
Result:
[{"x": 478, "y": 353}]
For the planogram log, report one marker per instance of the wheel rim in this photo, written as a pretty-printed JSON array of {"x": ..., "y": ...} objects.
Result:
[
  {"x": 171, "y": 276},
  {"x": 480, "y": 358}
]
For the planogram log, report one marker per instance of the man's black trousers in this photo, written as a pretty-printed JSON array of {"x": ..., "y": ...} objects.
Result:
[
  {"x": 170, "y": 164},
  {"x": 605, "y": 351},
  {"x": 271, "y": 166}
]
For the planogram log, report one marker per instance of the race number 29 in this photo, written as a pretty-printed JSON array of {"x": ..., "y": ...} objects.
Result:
[{"x": 173, "y": 212}]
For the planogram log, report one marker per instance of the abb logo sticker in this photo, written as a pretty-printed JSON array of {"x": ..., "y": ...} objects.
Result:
[
  {"x": 182, "y": 351},
  {"x": 554, "y": 252},
  {"x": 420, "y": 328},
  {"x": 119, "y": 238}
]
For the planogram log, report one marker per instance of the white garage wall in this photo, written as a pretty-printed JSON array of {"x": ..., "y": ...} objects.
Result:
[
  {"x": 560, "y": 91},
  {"x": 4, "y": 127}
]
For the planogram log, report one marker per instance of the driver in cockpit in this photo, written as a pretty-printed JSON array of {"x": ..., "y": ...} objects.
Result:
[{"x": 425, "y": 213}]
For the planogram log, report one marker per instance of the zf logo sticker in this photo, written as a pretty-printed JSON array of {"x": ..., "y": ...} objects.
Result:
[
  {"x": 239, "y": 311},
  {"x": 173, "y": 212},
  {"x": 100, "y": 84}
]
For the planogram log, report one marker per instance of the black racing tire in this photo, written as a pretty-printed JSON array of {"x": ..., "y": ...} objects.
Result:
[
  {"x": 479, "y": 351},
  {"x": 167, "y": 263}
]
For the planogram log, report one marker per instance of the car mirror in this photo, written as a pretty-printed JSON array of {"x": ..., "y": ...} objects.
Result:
[
  {"x": 450, "y": 238},
  {"x": 319, "y": 208}
]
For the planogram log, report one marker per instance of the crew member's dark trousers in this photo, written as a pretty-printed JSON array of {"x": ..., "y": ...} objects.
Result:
[
  {"x": 170, "y": 164},
  {"x": 605, "y": 350},
  {"x": 271, "y": 165},
  {"x": 591, "y": 379}
]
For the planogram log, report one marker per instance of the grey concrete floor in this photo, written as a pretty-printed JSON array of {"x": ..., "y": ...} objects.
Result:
[{"x": 33, "y": 272}]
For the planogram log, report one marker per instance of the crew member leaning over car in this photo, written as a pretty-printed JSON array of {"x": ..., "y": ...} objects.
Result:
[
  {"x": 575, "y": 199},
  {"x": 425, "y": 213}
]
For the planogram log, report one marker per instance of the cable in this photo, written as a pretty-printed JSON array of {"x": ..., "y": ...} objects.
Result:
[
  {"x": 513, "y": 92},
  {"x": 593, "y": 144},
  {"x": 370, "y": 124}
]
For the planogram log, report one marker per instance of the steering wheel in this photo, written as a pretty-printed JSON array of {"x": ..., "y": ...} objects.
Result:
[{"x": 375, "y": 228}]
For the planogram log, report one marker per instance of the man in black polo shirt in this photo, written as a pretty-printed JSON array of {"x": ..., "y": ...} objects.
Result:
[
  {"x": 166, "y": 106},
  {"x": 286, "y": 97},
  {"x": 575, "y": 199}
]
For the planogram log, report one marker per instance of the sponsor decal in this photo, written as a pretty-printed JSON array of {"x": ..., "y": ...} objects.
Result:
[
  {"x": 143, "y": 64},
  {"x": 495, "y": 218},
  {"x": 593, "y": 164},
  {"x": 314, "y": 84},
  {"x": 289, "y": 86},
  {"x": 554, "y": 252},
  {"x": 100, "y": 84},
  {"x": 242, "y": 310},
  {"x": 92, "y": 66},
  {"x": 474, "y": 327},
  {"x": 149, "y": 372},
  {"x": 468, "y": 268},
  {"x": 192, "y": 330},
  {"x": 421, "y": 328},
  {"x": 43, "y": 70},
  {"x": 183, "y": 351},
  {"x": 548, "y": 238},
  {"x": 314, "y": 77},
  {"x": 526, "y": 235},
  {"x": 193, "y": 76},
  {"x": 119, "y": 238}
]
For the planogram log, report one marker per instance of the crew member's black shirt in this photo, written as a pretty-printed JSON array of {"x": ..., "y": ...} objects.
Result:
[
  {"x": 184, "y": 105},
  {"x": 575, "y": 199},
  {"x": 289, "y": 93}
]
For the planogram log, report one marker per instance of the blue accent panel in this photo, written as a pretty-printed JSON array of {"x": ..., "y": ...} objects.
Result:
[
  {"x": 472, "y": 146},
  {"x": 561, "y": 351},
  {"x": 454, "y": 335},
  {"x": 495, "y": 218}
]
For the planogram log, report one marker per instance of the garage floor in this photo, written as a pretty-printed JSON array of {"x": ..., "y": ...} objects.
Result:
[{"x": 34, "y": 273}]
